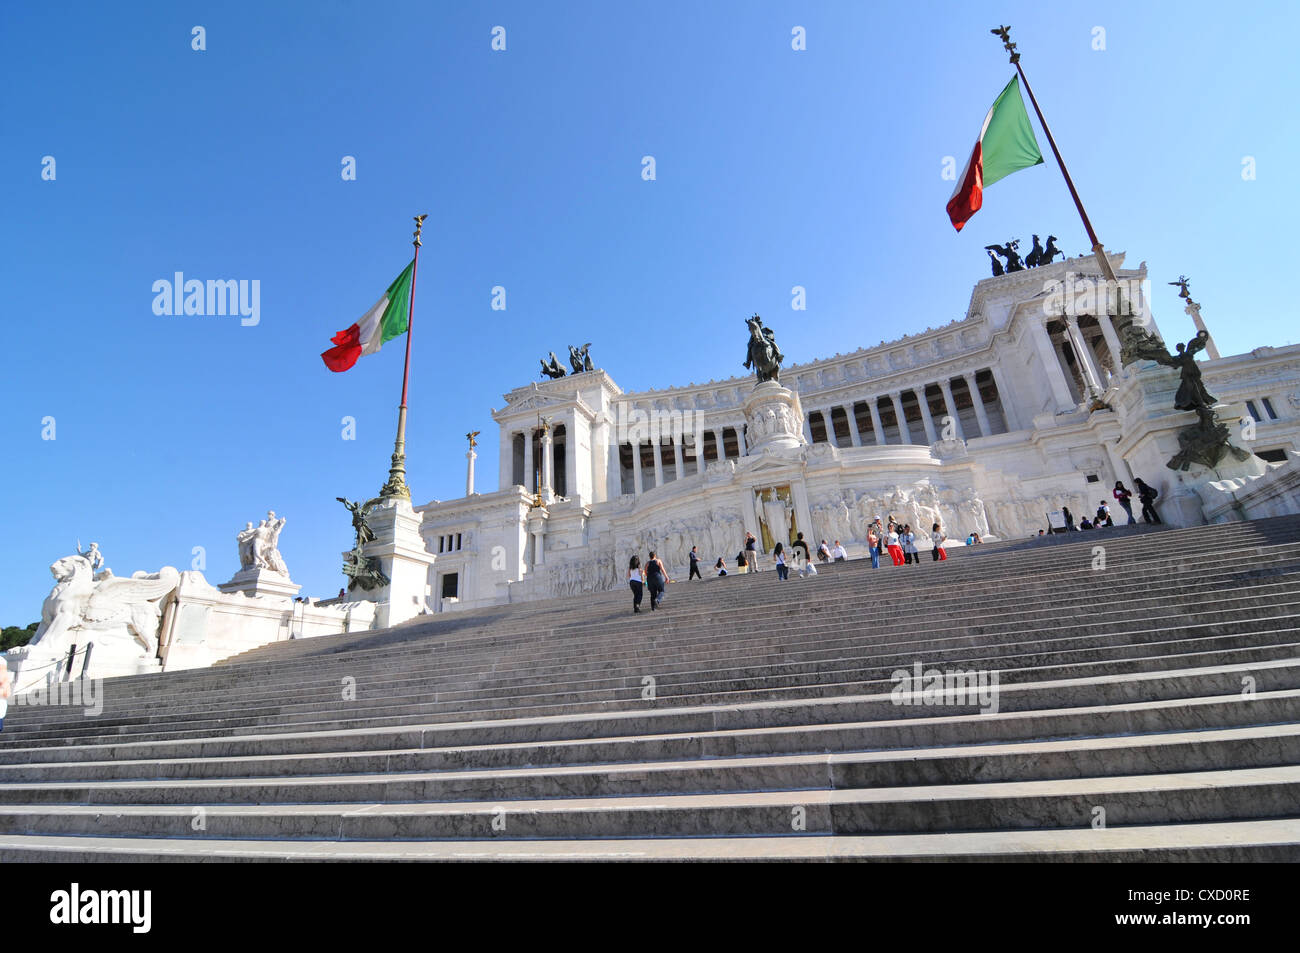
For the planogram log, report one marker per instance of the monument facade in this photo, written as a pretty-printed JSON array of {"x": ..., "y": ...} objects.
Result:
[{"x": 985, "y": 424}]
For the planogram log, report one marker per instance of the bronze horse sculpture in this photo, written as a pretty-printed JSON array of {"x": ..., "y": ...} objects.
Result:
[{"x": 763, "y": 355}]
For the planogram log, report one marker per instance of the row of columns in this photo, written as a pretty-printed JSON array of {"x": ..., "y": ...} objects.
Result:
[
  {"x": 679, "y": 456},
  {"x": 927, "y": 419},
  {"x": 548, "y": 462},
  {"x": 1089, "y": 367}
]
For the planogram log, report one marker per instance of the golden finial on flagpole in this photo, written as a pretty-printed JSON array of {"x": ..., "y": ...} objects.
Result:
[{"x": 419, "y": 224}]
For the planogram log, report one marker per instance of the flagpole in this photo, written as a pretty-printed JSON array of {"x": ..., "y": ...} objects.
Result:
[
  {"x": 1098, "y": 251},
  {"x": 396, "y": 487}
]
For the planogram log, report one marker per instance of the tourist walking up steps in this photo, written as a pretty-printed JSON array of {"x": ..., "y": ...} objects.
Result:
[
  {"x": 636, "y": 580},
  {"x": 873, "y": 546},
  {"x": 782, "y": 570},
  {"x": 824, "y": 552},
  {"x": 893, "y": 545},
  {"x": 695, "y": 566},
  {"x": 1125, "y": 498},
  {"x": 937, "y": 537},
  {"x": 800, "y": 548},
  {"x": 656, "y": 578},
  {"x": 1147, "y": 494},
  {"x": 908, "y": 540}
]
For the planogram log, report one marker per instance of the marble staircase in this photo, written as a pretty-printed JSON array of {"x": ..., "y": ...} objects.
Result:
[{"x": 1147, "y": 707}]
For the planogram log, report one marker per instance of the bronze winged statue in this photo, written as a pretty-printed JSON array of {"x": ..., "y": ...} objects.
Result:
[{"x": 1191, "y": 388}]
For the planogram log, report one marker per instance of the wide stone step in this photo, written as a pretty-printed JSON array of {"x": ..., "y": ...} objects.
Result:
[
  {"x": 1096, "y": 688},
  {"x": 785, "y": 645},
  {"x": 1276, "y": 841},
  {"x": 861, "y": 658}
]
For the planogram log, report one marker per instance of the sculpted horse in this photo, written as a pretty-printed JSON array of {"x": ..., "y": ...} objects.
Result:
[{"x": 763, "y": 354}]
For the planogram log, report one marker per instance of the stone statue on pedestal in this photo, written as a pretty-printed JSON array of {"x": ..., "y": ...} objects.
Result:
[
  {"x": 259, "y": 545},
  {"x": 107, "y": 608}
]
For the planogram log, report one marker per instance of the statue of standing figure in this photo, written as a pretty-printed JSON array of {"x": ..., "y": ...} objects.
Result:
[{"x": 259, "y": 545}]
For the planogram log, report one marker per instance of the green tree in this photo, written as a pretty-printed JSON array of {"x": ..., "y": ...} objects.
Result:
[{"x": 11, "y": 636}]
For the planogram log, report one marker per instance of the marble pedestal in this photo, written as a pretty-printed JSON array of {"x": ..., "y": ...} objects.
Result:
[
  {"x": 401, "y": 551},
  {"x": 261, "y": 582},
  {"x": 773, "y": 419}
]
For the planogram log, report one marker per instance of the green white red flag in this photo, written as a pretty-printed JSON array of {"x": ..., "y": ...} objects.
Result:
[
  {"x": 1006, "y": 144},
  {"x": 389, "y": 318}
]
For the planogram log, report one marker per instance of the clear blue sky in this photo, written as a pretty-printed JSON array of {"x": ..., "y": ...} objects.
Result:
[{"x": 775, "y": 168}]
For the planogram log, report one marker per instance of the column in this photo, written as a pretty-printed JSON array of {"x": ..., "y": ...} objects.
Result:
[
  {"x": 637, "y": 487},
  {"x": 1052, "y": 369},
  {"x": 719, "y": 447},
  {"x": 926, "y": 419},
  {"x": 1194, "y": 311},
  {"x": 1076, "y": 386},
  {"x": 807, "y": 427},
  {"x": 528, "y": 461},
  {"x": 741, "y": 442},
  {"x": 876, "y": 425},
  {"x": 548, "y": 465},
  {"x": 1004, "y": 401},
  {"x": 1083, "y": 354},
  {"x": 469, "y": 474},
  {"x": 904, "y": 432},
  {"x": 659, "y": 462},
  {"x": 679, "y": 460},
  {"x": 571, "y": 458},
  {"x": 830, "y": 428},
  {"x": 980, "y": 414},
  {"x": 1112, "y": 343},
  {"x": 951, "y": 406},
  {"x": 855, "y": 438}
]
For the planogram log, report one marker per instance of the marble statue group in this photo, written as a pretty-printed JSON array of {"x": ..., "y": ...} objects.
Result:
[{"x": 259, "y": 545}]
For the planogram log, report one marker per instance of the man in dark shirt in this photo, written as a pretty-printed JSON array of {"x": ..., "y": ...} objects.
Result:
[
  {"x": 695, "y": 566},
  {"x": 799, "y": 544}
]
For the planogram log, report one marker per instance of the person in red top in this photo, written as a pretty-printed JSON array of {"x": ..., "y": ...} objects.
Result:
[{"x": 1123, "y": 495}]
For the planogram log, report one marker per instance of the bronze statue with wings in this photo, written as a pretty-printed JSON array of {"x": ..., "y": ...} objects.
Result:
[{"x": 1191, "y": 389}]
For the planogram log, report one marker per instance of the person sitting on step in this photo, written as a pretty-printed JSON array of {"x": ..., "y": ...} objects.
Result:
[
  {"x": 721, "y": 566},
  {"x": 839, "y": 554}
]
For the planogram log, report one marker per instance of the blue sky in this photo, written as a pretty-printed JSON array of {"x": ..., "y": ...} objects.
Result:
[{"x": 775, "y": 168}]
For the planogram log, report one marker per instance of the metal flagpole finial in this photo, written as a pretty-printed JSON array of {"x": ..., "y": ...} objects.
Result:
[
  {"x": 419, "y": 224},
  {"x": 1005, "y": 33}
]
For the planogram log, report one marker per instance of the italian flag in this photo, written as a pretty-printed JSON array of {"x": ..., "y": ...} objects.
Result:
[
  {"x": 385, "y": 321},
  {"x": 1006, "y": 144}
]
